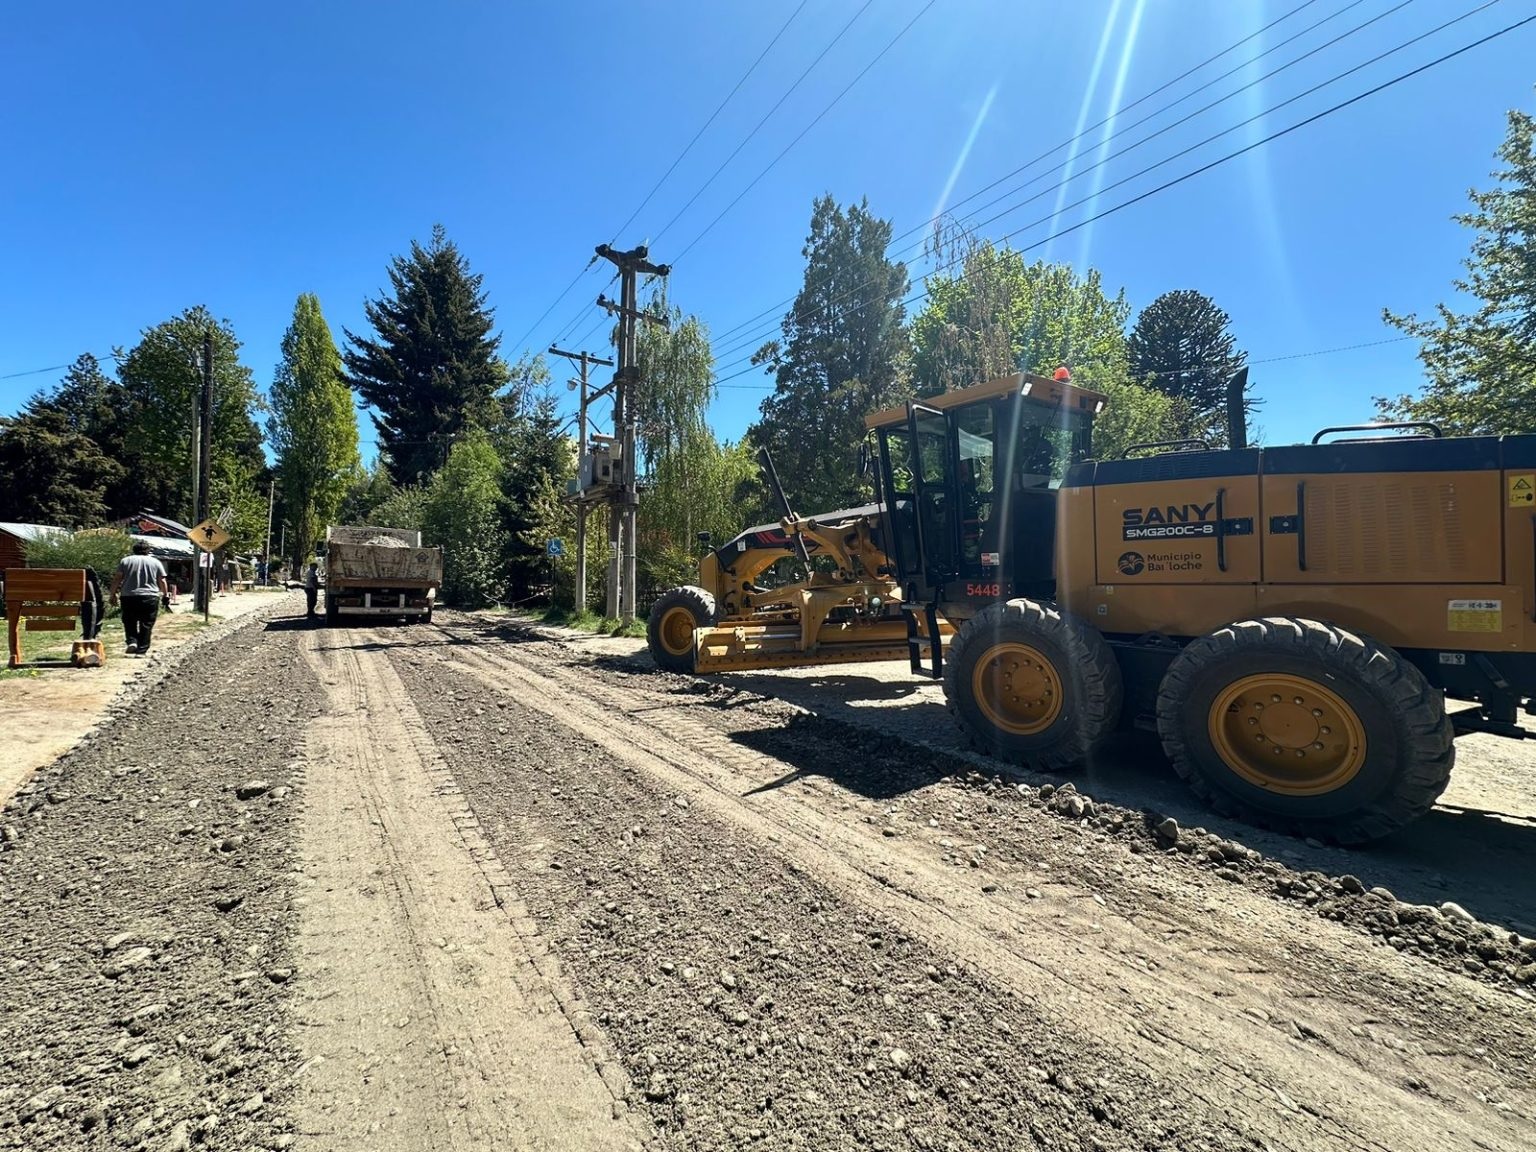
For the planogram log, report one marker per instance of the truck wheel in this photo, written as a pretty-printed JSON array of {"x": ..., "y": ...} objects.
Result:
[
  {"x": 331, "y": 615},
  {"x": 1032, "y": 684},
  {"x": 1305, "y": 728},
  {"x": 674, "y": 618}
]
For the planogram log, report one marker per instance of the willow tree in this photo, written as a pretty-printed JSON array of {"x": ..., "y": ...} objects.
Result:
[{"x": 694, "y": 484}]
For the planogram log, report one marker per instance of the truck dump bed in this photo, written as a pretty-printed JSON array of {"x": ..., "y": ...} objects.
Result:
[{"x": 359, "y": 556}]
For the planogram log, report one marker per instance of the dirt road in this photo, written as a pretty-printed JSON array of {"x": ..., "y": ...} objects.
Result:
[{"x": 498, "y": 890}]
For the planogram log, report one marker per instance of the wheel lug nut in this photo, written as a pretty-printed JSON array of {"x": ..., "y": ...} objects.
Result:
[
  {"x": 1325, "y": 730},
  {"x": 1299, "y": 753},
  {"x": 1274, "y": 699},
  {"x": 1253, "y": 720},
  {"x": 1299, "y": 700},
  {"x": 1318, "y": 747},
  {"x": 1317, "y": 711}
]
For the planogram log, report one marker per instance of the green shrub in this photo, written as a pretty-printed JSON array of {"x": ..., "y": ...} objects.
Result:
[{"x": 96, "y": 549}]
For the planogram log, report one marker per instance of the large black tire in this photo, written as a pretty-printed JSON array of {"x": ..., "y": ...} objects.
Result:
[
  {"x": 1380, "y": 765},
  {"x": 332, "y": 617},
  {"x": 670, "y": 627},
  {"x": 1036, "y": 648}
]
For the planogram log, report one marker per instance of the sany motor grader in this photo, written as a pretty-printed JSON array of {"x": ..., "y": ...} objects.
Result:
[{"x": 1290, "y": 620}]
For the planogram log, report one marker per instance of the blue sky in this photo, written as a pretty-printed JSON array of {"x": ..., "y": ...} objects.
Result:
[{"x": 235, "y": 155}]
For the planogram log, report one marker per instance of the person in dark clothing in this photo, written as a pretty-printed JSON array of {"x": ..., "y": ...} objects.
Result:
[
  {"x": 312, "y": 588},
  {"x": 140, "y": 584}
]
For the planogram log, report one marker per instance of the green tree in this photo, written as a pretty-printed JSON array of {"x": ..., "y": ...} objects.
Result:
[
  {"x": 1183, "y": 346},
  {"x": 1133, "y": 414},
  {"x": 99, "y": 548},
  {"x": 163, "y": 381},
  {"x": 367, "y": 488},
  {"x": 1481, "y": 364},
  {"x": 537, "y": 458},
  {"x": 843, "y": 354},
  {"x": 432, "y": 369},
  {"x": 51, "y": 473},
  {"x": 312, "y": 428},
  {"x": 694, "y": 483},
  {"x": 989, "y": 313},
  {"x": 96, "y": 405},
  {"x": 403, "y": 507},
  {"x": 462, "y": 514}
]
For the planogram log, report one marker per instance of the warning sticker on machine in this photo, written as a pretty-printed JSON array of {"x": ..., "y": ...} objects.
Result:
[
  {"x": 1475, "y": 616},
  {"x": 1522, "y": 489}
]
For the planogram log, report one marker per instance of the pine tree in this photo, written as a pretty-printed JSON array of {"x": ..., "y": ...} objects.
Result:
[
  {"x": 1481, "y": 364},
  {"x": 432, "y": 369},
  {"x": 312, "y": 427},
  {"x": 843, "y": 355},
  {"x": 1183, "y": 346},
  {"x": 50, "y": 473}
]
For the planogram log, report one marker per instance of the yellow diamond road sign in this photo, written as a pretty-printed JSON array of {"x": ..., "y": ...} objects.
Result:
[{"x": 210, "y": 535}]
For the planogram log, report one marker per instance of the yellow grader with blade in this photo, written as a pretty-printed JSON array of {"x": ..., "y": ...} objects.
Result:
[
  {"x": 1290, "y": 620},
  {"x": 843, "y": 604}
]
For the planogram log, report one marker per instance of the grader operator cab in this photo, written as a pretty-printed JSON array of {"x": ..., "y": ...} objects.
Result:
[{"x": 1291, "y": 619}]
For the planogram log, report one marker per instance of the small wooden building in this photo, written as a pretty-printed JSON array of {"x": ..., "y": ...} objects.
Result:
[{"x": 14, "y": 539}]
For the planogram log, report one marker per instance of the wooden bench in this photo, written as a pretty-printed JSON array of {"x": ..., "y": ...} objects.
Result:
[{"x": 49, "y": 600}]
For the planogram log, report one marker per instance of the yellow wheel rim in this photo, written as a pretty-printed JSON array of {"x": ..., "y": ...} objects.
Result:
[
  {"x": 677, "y": 631},
  {"x": 1017, "y": 689},
  {"x": 1287, "y": 734}
]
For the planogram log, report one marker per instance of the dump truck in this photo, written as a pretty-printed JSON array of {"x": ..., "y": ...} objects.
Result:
[
  {"x": 379, "y": 573},
  {"x": 1291, "y": 621}
]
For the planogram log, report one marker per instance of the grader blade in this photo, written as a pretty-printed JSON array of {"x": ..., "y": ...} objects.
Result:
[{"x": 744, "y": 646}]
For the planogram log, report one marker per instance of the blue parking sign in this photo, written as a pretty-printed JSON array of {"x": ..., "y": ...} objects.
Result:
[{"x": 555, "y": 547}]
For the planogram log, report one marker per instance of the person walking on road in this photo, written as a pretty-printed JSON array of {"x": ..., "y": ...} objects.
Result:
[
  {"x": 311, "y": 587},
  {"x": 140, "y": 583}
]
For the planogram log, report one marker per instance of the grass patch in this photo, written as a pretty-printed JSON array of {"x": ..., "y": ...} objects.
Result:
[{"x": 589, "y": 621}]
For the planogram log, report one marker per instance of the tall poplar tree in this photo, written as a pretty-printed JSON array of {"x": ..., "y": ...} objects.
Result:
[{"x": 312, "y": 427}]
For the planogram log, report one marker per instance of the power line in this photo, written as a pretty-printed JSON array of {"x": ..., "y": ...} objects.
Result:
[
  {"x": 1273, "y": 136},
  {"x": 719, "y": 109},
  {"x": 1105, "y": 160},
  {"x": 54, "y": 367},
  {"x": 532, "y": 328},
  {"x": 740, "y": 345},
  {"x": 1189, "y": 368},
  {"x": 774, "y": 163},
  {"x": 758, "y": 127},
  {"x": 1113, "y": 115}
]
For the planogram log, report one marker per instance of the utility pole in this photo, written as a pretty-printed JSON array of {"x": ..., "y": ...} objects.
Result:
[
  {"x": 623, "y": 515},
  {"x": 205, "y": 468},
  {"x": 266, "y": 556},
  {"x": 586, "y": 360}
]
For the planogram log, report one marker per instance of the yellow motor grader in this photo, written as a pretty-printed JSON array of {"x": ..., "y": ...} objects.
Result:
[
  {"x": 1291, "y": 620},
  {"x": 807, "y": 590}
]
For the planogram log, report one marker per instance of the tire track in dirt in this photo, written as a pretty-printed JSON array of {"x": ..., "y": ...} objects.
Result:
[
  {"x": 1229, "y": 1023},
  {"x": 427, "y": 1022}
]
